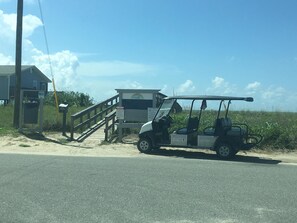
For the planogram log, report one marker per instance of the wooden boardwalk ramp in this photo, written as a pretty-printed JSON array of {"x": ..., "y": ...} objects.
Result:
[
  {"x": 96, "y": 137},
  {"x": 96, "y": 122}
]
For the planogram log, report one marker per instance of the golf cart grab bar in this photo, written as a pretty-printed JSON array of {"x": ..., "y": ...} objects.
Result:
[
  {"x": 258, "y": 138},
  {"x": 249, "y": 99},
  {"x": 241, "y": 126}
]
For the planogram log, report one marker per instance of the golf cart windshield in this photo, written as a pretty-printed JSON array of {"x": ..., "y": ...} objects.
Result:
[{"x": 165, "y": 108}]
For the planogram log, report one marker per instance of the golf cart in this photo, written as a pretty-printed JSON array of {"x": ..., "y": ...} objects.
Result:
[{"x": 183, "y": 125}]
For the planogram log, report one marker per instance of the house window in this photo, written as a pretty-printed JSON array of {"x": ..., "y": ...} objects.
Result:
[
  {"x": 43, "y": 86},
  {"x": 35, "y": 84}
]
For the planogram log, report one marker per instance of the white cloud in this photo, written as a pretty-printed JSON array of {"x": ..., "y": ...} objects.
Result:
[
  {"x": 8, "y": 35},
  {"x": 186, "y": 87},
  {"x": 70, "y": 74},
  {"x": 273, "y": 92},
  {"x": 131, "y": 84},
  {"x": 292, "y": 99},
  {"x": 8, "y": 24},
  {"x": 164, "y": 89},
  {"x": 218, "y": 82},
  {"x": 266, "y": 98},
  {"x": 6, "y": 60},
  {"x": 277, "y": 98},
  {"x": 30, "y": 23},
  {"x": 101, "y": 89},
  {"x": 64, "y": 65},
  {"x": 113, "y": 68},
  {"x": 7, "y": 27},
  {"x": 221, "y": 87},
  {"x": 252, "y": 88},
  {"x": 253, "y": 85}
]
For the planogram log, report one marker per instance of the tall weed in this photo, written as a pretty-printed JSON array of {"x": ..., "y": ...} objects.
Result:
[{"x": 279, "y": 129}]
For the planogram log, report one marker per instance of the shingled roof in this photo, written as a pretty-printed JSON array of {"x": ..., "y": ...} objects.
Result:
[{"x": 8, "y": 70}]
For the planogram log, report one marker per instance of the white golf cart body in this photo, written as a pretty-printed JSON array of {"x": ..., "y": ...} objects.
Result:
[{"x": 223, "y": 136}]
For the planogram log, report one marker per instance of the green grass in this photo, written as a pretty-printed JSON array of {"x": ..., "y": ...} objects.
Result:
[
  {"x": 279, "y": 129},
  {"x": 24, "y": 145},
  {"x": 52, "y": 120},
  {"x": 6, "y": 120}
]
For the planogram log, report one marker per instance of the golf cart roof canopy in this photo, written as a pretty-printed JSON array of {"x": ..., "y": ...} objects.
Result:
[{"x": 211, "y": 97}]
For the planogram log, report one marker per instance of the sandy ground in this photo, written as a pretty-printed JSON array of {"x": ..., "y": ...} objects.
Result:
[{"x": 56, "y": 144}]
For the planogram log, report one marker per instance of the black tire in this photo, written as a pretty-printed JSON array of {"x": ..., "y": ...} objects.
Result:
[
  {"x": 144, "y": 145},
  {"x": 225, "y": 151}
]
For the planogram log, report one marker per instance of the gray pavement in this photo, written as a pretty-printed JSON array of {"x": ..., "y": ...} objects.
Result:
[{"x": 144, "y": 189}]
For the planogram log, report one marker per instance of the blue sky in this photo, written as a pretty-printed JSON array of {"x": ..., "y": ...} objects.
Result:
[{"x": 220, "y": 47}]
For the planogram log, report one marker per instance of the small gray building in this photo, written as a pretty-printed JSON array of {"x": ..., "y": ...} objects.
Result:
[
  {"x": 32, "y": 79},
  {"x": 136, "y": 106},
  {"x": 136, "y": 103}
]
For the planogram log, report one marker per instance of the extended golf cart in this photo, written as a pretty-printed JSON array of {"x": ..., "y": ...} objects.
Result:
[{"x": 182, "y": 122}]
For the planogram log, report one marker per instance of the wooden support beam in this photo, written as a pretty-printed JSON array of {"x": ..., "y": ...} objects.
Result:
[{"x": 18, "y": 64}]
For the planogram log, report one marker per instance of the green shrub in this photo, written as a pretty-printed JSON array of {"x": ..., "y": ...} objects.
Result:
[
  {"x": 279, "y": 129},
  {"x": 70, "y": 97},
  {"x": 52, "y": 119}
]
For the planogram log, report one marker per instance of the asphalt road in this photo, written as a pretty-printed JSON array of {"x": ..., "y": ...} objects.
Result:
[{"x": 144, "y": 189}]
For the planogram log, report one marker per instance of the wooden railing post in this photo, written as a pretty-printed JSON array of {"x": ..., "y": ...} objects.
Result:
[
  {"x": 111, "y": 117},
  {"x": 72, "y": 128},
  {"x": 93, "y": 113},
  {"x": 106, "y": 129},
  {"x": 89, "y": 116},
  {"x": 113, "y": 122},
  {"x": 81, "y": 120}
]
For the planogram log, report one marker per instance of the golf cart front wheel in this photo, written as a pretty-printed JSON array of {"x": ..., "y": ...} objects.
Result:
[
  {"x": 225, "y": 151},
  {"x": 144, "y": 145}
]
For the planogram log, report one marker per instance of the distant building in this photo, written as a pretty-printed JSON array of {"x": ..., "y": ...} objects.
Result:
[{"x": 32, "y": 79}]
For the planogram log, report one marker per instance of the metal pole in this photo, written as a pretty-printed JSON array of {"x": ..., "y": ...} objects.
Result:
[
  {"x": 18, "y": 64},
  {"x": 64, "y": 123}
]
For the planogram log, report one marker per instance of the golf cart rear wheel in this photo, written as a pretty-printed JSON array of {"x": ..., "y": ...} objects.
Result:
[
  {"x": 225, "y": 151},
  {"x": 144, "y": 145}
]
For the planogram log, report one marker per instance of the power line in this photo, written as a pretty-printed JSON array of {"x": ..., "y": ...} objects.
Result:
[
  {"x": 48, "y": 55},
  {"x": 45, "y": 38}
]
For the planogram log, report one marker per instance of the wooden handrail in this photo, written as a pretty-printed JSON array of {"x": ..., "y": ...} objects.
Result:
[
  {"x": 90, "y": 115},
  {"x": 110, "y": 117}
]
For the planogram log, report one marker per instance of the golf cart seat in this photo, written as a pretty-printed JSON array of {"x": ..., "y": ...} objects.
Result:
[
  {"x": 192, "y": 126},
  {"x": 224, "y": 126},
  {"x": 220, "y": 127}
]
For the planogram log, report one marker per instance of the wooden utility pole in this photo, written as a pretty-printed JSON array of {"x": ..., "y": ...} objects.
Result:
[{"x": 18, "y": 64}]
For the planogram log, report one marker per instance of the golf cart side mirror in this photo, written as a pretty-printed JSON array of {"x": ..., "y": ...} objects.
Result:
[{"x": 203, "y": 105}]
